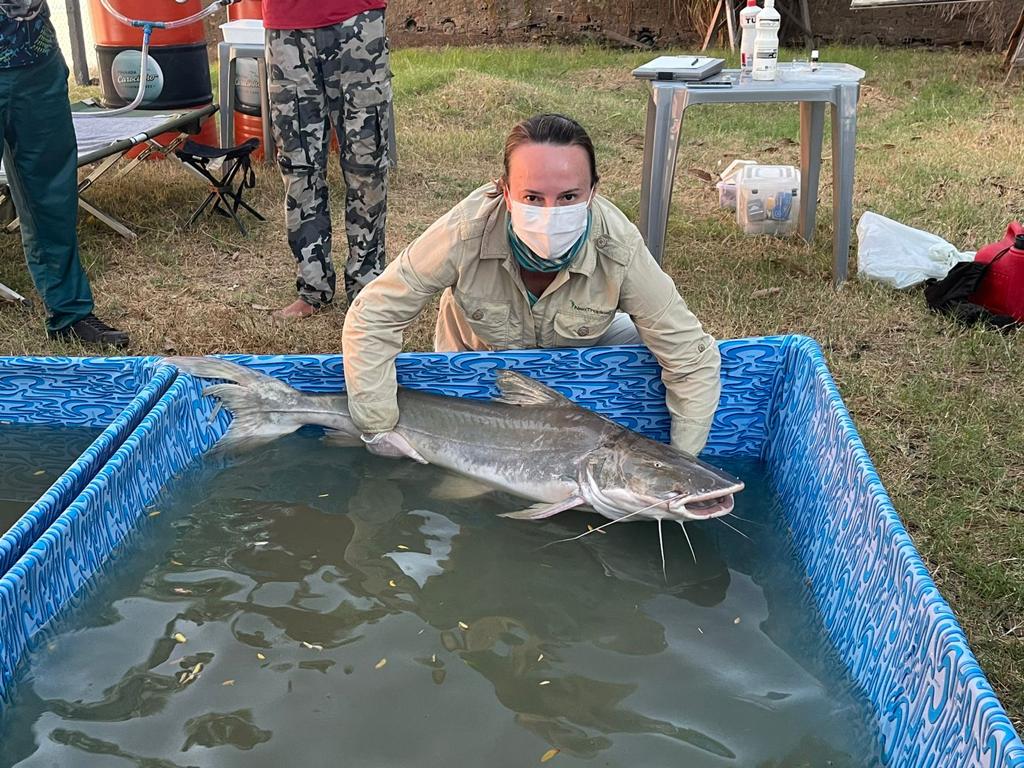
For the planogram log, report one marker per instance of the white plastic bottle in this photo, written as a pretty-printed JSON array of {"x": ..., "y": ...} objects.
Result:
[
  {"x": 748, "y": 25},
  {"x": 766, "y": 42}
]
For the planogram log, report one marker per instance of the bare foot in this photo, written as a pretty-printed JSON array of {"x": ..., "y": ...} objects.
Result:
[{"x": 294, "y": 311}]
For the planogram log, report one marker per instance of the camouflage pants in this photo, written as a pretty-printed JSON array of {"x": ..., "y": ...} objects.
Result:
[{"x": 318, "y": 78}]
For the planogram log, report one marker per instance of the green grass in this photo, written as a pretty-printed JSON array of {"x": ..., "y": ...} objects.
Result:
[{"x": 940, "y": 408}]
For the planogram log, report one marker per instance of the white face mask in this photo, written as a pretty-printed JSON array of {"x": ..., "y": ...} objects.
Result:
[{"x": 550, "y": 232}]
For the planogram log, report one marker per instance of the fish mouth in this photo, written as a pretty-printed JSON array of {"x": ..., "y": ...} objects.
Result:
[{"x": 708, "y": 505}]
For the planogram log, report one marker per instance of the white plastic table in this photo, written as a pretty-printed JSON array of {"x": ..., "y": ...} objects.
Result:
[{"x": 832, "y": 83}]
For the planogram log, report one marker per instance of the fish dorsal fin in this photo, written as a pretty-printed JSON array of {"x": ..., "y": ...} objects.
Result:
[{"x": 517, "y": 389}]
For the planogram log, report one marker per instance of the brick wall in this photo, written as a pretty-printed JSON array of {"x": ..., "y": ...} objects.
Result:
[{"x": 458, "y": 22}]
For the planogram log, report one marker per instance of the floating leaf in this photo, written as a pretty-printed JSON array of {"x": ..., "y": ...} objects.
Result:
[
  {"x": 314, "y": 646},
  {"x": 228, "y": 682},
  {"x": 380, "y": 663},
  {"x": 181, "y": 591},
  {"x": 154, "y": 513},
  {"x": 391, "y": 583},
  {"x": 549, "y": 754},
  {"x": 463, "y": 625},
  {"x": 402, "y": 546},
  {"x": 433, "y": 658},
  {"x": 544, "y": 682},
  {"x": 260, "y": 656},
  {"x": 736, "y": 620},
  {"x": 260, "y": 543},
  {"x": 541, "y": 657},
  {"x": 178, "y": 637},
  {"x": 323, "y": 495},
  {"x": 39, "y": 472},
  {"x": 175, "y": 562}
]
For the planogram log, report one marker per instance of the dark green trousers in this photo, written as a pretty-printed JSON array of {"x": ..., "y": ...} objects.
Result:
[{"x": 40, "y": 154}]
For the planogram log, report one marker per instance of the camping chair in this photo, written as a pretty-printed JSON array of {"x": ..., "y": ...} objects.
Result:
[
  {"x": 227, "y": 189},
  {"x": 102, "y": 141}
]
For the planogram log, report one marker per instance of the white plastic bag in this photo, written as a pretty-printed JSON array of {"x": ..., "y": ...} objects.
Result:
[{"x": 902, "y": 256}]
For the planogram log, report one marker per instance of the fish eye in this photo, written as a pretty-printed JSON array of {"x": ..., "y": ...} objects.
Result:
[{"x": 658, "y": 465}]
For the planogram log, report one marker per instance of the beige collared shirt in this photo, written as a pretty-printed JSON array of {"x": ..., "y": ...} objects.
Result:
[{"x": 484, "y": 306}]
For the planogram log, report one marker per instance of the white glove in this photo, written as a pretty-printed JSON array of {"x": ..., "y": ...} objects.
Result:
[{"x": 391, "y": 445}]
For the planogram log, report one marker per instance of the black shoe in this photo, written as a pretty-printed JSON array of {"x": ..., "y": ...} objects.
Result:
[{"x": 91, "y": 330}]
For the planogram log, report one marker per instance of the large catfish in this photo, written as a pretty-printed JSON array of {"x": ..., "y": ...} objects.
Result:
[{"x": 531, "y": 441}]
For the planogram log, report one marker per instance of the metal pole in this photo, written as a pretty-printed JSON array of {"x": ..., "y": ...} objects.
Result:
[{"x": 78, "y": 56}]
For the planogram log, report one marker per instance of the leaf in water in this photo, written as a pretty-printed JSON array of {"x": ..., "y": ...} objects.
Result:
[
  {"x": 178, "y": 637},
  {"x": 322, "y": 495},
  {"x": 181, "y": 591},
  {"x": 261, "y": 657},
  {"x": 391, "y": 582},
  {"x": 544, "y": 682},
  {"x": 463, "y": 625},
  {"x": 314, "y": 646},
  {"x": 173, "y": 562},
  {"x": 539, "y": 658},
  {"x": 549, "y": 754},
  {"x": 39, "y": 472},
  {"x": 380, "y": 663},
  {"x": 402, "y": 546},
  {"x": 155, "y": 512},
  {"x": 701, "y": 174},
  {"x": 736, "y": 620},
  {"x": 228, "y": 682}
]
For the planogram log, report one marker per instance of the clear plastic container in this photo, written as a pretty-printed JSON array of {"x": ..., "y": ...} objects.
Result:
[
  {"x": 243, "y": 32},
  {"x": 768, "y": 199},
  {"x": 727, "y": 186}
]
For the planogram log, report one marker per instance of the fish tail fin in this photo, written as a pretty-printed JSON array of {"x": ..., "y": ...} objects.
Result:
[{"x": 263, "y": 408}]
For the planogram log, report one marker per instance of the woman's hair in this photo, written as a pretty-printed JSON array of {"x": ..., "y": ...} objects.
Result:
[{"x": 547, "y": 129}]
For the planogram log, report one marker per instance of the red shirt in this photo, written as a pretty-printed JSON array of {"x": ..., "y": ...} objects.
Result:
[{"x": 310, "y": 14}]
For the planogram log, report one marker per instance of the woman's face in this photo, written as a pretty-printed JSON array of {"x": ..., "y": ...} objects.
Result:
[{"x": 548, "y": 175}]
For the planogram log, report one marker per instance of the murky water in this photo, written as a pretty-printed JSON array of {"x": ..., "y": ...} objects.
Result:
[
  {"x": 314, "y": 606},
  {"x": 32, "y": 457}
]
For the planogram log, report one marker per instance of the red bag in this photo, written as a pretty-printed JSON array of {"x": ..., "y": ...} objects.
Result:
[{"x": 1002, "y": 288}]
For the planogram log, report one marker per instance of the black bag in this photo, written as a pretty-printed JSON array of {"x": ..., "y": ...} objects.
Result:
[{"x": 950, "y": 295}]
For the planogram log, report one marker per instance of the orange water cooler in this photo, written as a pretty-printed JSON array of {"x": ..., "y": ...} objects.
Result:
[
  {"x": 178, "y": 67},
  {"x": 248, "y": 117}
]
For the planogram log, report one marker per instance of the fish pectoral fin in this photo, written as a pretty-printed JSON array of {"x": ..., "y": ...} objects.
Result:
[
  {"x": 459, "y": 488},
  {"x": 517, "y": 389},
  {"x": 339, "y": 439},
  {"x": 545, "y": 509}
]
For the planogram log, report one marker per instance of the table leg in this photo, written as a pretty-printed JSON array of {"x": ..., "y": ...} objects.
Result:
[
  {"x": 224, "y": 91},
  {"x": 269, "y": 150},
  {"x": 665, "y": 109},
  {"x": 812, "y": 129},
  {"x": 844, "y": 148}
]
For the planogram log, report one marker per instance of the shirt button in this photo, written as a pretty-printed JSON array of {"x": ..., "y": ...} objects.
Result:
[
  {"x": 583, "y": 330},
  {"x": 701, "y": 347},
  {"x": 602, "y": 241},
  {"x": 478, "y": 314}
]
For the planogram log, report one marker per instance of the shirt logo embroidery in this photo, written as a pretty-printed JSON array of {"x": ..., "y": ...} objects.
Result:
[{"x": 593, "y": 310}]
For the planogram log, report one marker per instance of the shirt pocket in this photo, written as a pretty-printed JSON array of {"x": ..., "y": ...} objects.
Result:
[
  {"x": 488, "y": 318},
  {"x": 581, "y": 329}
]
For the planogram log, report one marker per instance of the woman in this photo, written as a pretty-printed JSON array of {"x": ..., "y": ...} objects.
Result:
[{"x": 536, "y": 260}]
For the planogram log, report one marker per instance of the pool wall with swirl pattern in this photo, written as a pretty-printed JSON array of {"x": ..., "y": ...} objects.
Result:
[{"x": 109, "y": 394}]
